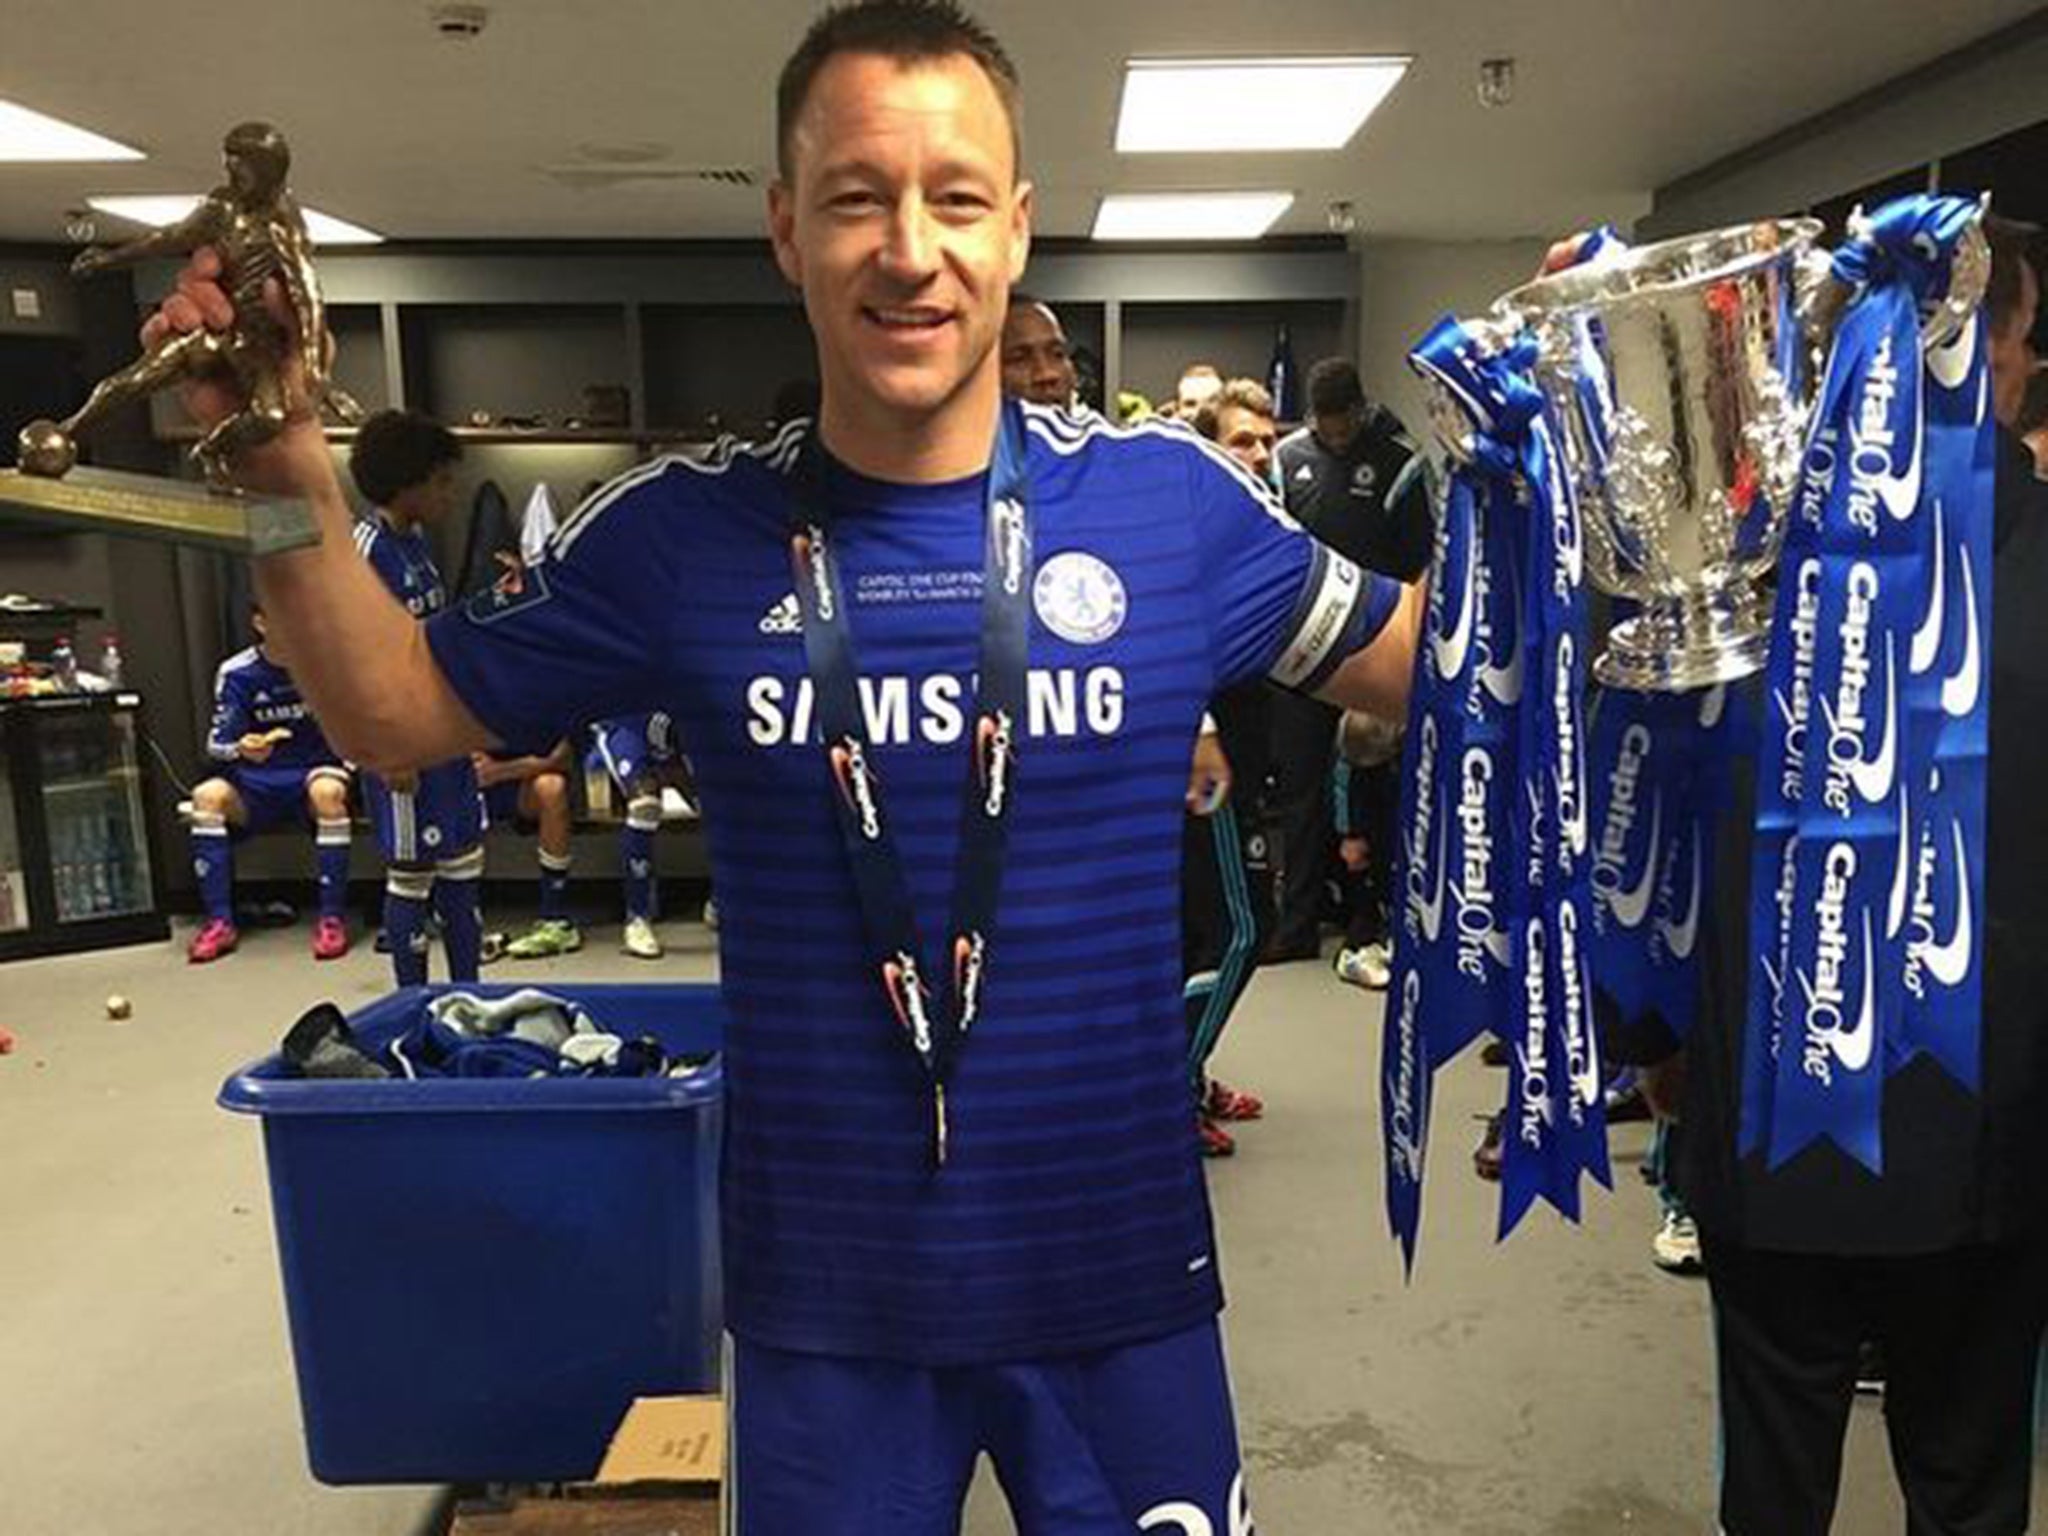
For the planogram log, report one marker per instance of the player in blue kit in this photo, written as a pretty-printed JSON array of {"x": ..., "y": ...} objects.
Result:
[
  {"x": 940, "y": 663},
  {"x": 639, "y": 752},
  {"x": 531, "y": 791},
  {"x": 275, "y": 766},
  {"x": 430, "y": 819}
]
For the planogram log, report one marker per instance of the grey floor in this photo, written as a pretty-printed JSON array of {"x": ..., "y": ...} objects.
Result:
[{"x": 1555, "y": 1387}]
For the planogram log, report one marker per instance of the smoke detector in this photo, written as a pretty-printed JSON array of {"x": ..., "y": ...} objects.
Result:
[
  {"x": 1496, "y": 82},
  {"x": 459, "y": 23}
]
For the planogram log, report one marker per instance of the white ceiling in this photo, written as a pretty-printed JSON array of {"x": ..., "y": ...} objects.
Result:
[{"x": 422, "y": 138}]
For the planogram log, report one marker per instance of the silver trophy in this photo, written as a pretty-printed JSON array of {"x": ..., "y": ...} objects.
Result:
[{"x": 1682, "y": 377}]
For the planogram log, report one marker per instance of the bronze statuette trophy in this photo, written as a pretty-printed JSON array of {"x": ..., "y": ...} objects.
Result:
[{"x": 254, "y": 224}]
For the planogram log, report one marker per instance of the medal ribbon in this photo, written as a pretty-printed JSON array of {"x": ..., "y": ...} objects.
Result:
[{"x": 935, "y": 1004}]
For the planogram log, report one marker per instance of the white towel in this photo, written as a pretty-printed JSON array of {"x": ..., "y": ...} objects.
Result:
[
  {"x": 537, "y": 524},
  {"x": 528, "y": 1014}
]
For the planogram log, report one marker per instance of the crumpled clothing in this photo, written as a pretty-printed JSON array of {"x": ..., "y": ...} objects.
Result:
[{"x": 528, "y": 1033}]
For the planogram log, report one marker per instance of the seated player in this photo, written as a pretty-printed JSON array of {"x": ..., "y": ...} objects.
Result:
[
  {"x": 640, "y": 753},
  {"x": 430, "y": 824},
  {"x": 534, "y": 792},
  {"x": 276, "y": 766}
]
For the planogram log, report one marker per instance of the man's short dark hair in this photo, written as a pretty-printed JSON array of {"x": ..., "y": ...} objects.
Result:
[
  {"x": 2013, "y": 245},
  {"x": 908, "y": 31},
  {"x": 1237, "y": 395},
  {"x": 397, "y": 450},
  {"x": 1333, "y": 387}
]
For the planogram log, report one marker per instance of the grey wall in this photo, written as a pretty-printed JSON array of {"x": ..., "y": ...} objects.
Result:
[
  {"x": 1406, "y": 285},
  {"x": 469, "y": 284},
  {"x": 729, "y": 358},
  {"x": 1975, "y": 95},
  {"x": 511, "y": 362},
  {"x": 1161, "y": 340},
  {"x": 359, "y": 354}
]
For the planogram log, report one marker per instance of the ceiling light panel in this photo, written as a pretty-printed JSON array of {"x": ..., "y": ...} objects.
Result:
[
  {"x": 159, "y": 210},
  {"x": 1189, "y": 215},
  {"x": 31, "y": 136},
  {"x": 1188, "y": 105}
]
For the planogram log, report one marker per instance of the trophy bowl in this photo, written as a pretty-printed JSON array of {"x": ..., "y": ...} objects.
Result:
[{"x": 1681, "y": 377}]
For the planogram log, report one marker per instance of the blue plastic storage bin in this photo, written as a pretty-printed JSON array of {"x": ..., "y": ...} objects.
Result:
[{"x": 482, "y": 1274}]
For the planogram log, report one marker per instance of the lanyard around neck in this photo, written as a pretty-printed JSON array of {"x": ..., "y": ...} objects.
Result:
[{"x": 936, "y": 1005}]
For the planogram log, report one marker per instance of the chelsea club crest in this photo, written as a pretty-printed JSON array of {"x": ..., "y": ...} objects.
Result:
[{"x": 1079, "y": 598}]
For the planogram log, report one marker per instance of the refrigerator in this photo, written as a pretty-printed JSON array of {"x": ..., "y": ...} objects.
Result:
[{"x": 78, "y": 864}]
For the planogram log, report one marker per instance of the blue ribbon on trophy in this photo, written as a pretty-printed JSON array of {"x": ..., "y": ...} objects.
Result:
[
  {"x": 1657, "y": 416},
  {"x": 1496, "y": 881},
  {"x": 1940, "y": 902},
  {"x": 1424, "y": 969},
  {"x": 1875, "y": 808},
  {"x": 1660, "y": 780},
  {"x": 1556, "y": 1127}
]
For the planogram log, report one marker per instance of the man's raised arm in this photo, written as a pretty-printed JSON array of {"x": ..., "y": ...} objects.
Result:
[
  {"x": 360, "y": 658},
  {"x": 1376, "y": 679},
  {"x": 358, "y": 655}
]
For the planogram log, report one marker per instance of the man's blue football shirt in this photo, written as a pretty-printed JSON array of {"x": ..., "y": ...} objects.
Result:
[{"x": 1071, "y": 1214}]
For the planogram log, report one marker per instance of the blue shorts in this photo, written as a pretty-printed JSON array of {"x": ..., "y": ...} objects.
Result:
[
  {"x": 634, "y": 746},
  {"x": 442, "y": 817},
  {"x": 1102, "y": 1444},
  {"x": 275, "y": 796}
]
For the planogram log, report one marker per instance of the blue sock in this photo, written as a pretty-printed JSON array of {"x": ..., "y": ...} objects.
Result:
[
  {"x": 405, "y": 925},
  {"x": 636, "y": 853},
  {"x": 213, "y": 861},
  {"x": 554, "y": 887},
  {"x": 457, "y": 899},
  {"x": 330, "y": 858}
]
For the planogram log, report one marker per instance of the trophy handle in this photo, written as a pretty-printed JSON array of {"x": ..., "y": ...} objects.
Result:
[
  {"x": 1968, "y": 278},
  {"x": 1819, "y": 301},
  {"x": 1822, "y": 296}
]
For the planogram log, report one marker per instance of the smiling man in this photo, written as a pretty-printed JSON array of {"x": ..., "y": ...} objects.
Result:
[{"x": 940, "y": 661}]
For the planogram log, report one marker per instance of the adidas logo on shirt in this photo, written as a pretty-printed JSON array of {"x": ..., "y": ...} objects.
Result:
[{"x": 785, "y": 618}]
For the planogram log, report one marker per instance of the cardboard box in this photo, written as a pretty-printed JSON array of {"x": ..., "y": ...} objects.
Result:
[
  {"x": 659, "y": 1478},
  {"x": 668, "y": 1440}
]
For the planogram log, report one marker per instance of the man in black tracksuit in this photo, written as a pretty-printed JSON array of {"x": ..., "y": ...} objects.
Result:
[
  {"x": 1944, "y": 1258},
  {"x": 1353, "y": 478}
]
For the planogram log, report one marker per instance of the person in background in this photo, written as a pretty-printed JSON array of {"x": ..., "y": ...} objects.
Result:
[
  {"x": 642, "y": 756},
  {"x": 1199, "y": 384},
  {"x": 1226, "y": 876},
  {"x": 2031, "y": 423},
  {"x": 532, "y": 792},
  {"x": 1367, "y": 774},
  {"x": 275, "y": 766},
  {"x": 429, "y": 821},
  {"x": 1353, "y": 478},
  {"x": 1038, "y": 365},
  {"x": 1238, "y": 418},
  {"x": 1942, "y": 1258}
]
